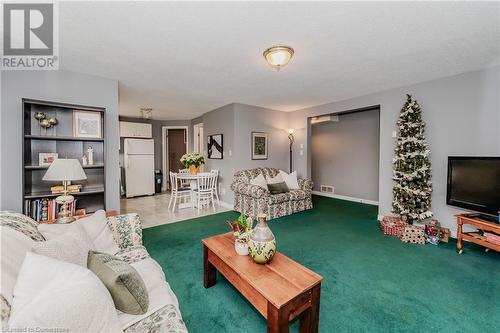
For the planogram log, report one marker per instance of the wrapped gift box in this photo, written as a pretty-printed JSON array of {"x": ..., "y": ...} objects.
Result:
[
  {"x": 413, "y": 234},
  {"x": 444, "y": 235},
  {"x": 392, "y": 225}
]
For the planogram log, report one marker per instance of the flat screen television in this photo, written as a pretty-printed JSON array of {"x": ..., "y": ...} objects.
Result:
[{"x": 474, "y": 183}]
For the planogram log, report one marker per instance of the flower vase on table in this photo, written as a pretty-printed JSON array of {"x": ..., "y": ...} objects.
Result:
[
  {"x": 193, "y": 162},
  {"x": 193, "y": 170},
  {"x": 262, "y": 243}
]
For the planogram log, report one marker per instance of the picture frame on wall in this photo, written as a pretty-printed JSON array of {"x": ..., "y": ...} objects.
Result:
[
  {"x": 259, "y": 146},
  {"x": 45, "y": 159},
  {"x": 215, "y": 146},
  {"x": 87, "y": 124}
]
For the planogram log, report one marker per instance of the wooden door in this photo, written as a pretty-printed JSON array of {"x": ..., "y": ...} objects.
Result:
[{"x": 176, "y": 147}]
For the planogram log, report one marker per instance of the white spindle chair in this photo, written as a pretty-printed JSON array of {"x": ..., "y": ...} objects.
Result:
[
  {"x": 177, "y": 192},
  {"x": 205, "y": 190},
  {"x": 184, "y": 182},
  {"x": 216, "y": 184}
]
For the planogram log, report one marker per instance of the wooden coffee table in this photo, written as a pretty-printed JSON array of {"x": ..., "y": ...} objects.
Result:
[{"x": 280, "y": 290}]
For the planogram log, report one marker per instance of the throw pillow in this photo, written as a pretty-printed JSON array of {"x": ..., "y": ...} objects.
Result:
[
  {"x": 54, "y": 294},
  {"x": 72, "y": 247},
  {"x": 123, "y": 282},
  {"x": 274, "y": 180},
  {"x": 290, "y": 180},
  {"x": 95, "y": 226},
  {"x": 259, "y": 181},
  {"x": 278, "y": 188}
]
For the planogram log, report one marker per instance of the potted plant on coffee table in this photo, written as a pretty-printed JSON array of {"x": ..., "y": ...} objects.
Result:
[
  {"x": 192, "y": 161},
  {"x": 241, "y": 229}
]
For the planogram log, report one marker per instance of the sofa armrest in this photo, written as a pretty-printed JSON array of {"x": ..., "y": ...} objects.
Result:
[
  {"x": 306, "y": 184},
  {"x": 126, "y": 229},
  {"x": 250, "y": 190}
]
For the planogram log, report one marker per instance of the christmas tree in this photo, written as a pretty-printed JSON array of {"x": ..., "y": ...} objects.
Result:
[{"x": 411, "y": 166}]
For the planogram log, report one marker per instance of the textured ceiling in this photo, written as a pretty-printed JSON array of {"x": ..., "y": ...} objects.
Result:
[{"x": 184, "y": 59}]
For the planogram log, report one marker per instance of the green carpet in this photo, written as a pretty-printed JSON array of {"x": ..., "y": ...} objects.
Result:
[{"x": 371, "y": 282}]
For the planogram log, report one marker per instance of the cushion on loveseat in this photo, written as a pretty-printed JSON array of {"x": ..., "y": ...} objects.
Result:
[{"x": 291, "y": 195}]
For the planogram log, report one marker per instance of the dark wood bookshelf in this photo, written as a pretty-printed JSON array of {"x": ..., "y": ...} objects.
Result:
[
  {"x": 60, "y": 140},
  {"x": 43, "y": 167},
  {"x": 53, "y": 195}
]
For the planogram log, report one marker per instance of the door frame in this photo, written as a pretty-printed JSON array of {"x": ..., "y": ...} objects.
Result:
[
  {"x": 196, "y": 134},
  {"x": 164, "y": 150}
]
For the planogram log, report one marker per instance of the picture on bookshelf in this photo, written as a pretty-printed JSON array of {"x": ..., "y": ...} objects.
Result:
[
  {"x": 87, "y": 124},
  {"x": 45, "y": 159}
]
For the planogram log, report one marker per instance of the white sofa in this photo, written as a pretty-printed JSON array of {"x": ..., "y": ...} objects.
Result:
[{"x": 18, "y": 234}]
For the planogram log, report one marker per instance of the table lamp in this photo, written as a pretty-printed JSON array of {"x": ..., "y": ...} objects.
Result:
[{"x": 65, "y": 170}]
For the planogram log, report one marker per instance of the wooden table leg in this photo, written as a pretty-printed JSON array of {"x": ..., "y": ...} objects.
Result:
[
  {"x": 277, "y": 319},
  {"x": 459, "y": 236},
  {"x": 316, "y": 291},
  {"x": 305, "y": 321},
  {"x": 209, "y": 271}
]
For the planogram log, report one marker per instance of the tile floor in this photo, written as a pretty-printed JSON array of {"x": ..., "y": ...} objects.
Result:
[{"x": 153, "y": 210}]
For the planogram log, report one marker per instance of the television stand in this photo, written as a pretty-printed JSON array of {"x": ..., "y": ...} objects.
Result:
[{"x": 478, "y": 223}]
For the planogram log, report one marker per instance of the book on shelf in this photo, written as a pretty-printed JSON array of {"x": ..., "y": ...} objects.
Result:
[{"x": 45, "y": 209}]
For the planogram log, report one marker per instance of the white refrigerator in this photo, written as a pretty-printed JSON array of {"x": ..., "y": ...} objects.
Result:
[{"x": 139, "y": 161}]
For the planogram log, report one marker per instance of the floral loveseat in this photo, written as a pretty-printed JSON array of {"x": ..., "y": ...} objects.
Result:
[
  {"x": 252, "y": 199},
  {"x": 19, "y": 232}
]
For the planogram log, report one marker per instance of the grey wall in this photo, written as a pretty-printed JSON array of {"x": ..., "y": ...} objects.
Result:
[
  {"x": 236, "y": 122},
  {"x": 345, "y": 154},
  {"x": 248, "y": 119},
  {"x": 221, "y": 121},
  {"x": 57, "y": 86},
  {"x": 463, "y": 117}
]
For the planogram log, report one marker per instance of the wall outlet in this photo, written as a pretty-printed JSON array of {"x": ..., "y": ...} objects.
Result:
[
  {"x": 327, "y": 189},
  {"x": 394, "y": 134},
  {"x": 230, "y": 152},
  {"x": 301, "y": 152}
]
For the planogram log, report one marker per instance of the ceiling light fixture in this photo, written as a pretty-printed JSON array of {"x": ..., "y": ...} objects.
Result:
[{"x": 278, "y": 56}]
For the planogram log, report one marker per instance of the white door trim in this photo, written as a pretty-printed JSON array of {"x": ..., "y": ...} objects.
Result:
[
  {"x": 196, "y": 133},
  {"x": 164, "y": 150}
]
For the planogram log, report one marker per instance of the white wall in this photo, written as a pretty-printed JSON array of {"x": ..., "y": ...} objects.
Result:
[
  {"x": 57, "y": 86},
  {"x": 462, "y": 113}
]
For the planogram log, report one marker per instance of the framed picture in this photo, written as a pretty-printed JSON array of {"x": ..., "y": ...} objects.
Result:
[
  {"x": 45, "y": 159},
  {"x": 87, "y": 124},
  {"x": 259, "y": 146},
  {"x": 215, "y": 145}
]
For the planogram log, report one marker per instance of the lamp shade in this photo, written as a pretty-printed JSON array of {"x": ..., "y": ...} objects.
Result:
[{"x": 65, "y": 169}]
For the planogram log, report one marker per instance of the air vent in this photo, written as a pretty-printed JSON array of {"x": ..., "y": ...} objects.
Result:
[
  {"x": 324, "y": 119},
  {"x": 327, "y": 188}
]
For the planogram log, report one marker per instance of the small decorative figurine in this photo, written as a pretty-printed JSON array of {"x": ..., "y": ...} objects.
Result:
[{"x": 90, "y": 155}]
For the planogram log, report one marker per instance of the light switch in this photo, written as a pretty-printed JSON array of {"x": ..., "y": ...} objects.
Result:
[
  {"x": 301, "y": 146},
  {"x": 394, "y": 134}
]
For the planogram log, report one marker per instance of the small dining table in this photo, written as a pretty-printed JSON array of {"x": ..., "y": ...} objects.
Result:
[{"x": 193, "y": 184}]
